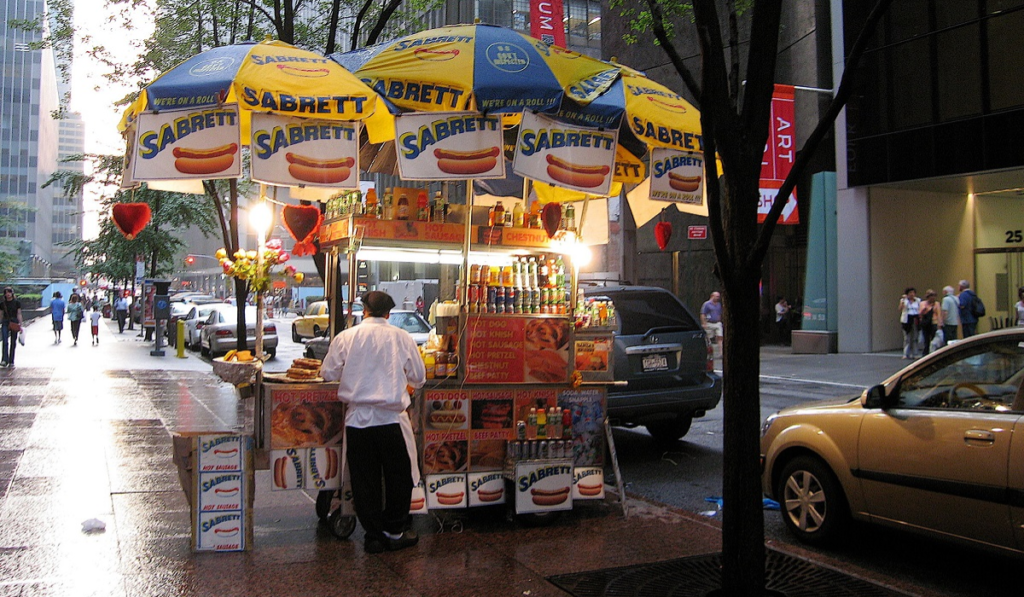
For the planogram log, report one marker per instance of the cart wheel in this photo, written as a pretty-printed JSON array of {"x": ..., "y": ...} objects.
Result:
[
  {"x": 341, "y": 526},
  {"x": 323, "y": 503}
]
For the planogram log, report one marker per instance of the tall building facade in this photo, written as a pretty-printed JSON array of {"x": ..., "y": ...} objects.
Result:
[
  {"x": 68, "y": 211},
  {"x": 28, "y": 139}
]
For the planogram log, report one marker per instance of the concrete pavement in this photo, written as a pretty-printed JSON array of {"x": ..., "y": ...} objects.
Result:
[{"x": 85, "y": 434}]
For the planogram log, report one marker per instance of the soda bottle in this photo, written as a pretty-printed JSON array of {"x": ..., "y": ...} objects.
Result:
[
  {"x": 570, "y": 217},
  {"x": 357, "y": 203},
  {"x": 497, "y": 215},
  {"x": 542, "y": 422},
  {"x": 440, "y": 210},
  {"x": 389, "y": 207},
  {"x": 371, "y": 203},
  {"x": 518, "y": 215}
]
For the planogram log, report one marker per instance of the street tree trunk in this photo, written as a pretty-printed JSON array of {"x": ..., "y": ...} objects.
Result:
[{"x": 735, "y": 113}]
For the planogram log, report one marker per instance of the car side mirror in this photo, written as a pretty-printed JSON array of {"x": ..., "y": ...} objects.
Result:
[{"x": 875, "y": 397}]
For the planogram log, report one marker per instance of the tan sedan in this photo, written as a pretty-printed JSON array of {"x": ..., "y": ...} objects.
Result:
[{"x": 938, "y": 448}]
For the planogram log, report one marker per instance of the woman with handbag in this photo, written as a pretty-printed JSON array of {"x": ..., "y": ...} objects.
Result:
[
  {"x": 910, "y": 308},
  {"x": 10, "y": 309}
]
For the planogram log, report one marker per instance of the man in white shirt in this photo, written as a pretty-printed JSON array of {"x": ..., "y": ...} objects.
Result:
[
  {"x": 121, "y": 312},
  {"x": 950, "y": 314},
  {"x": 373, "y": 363}
]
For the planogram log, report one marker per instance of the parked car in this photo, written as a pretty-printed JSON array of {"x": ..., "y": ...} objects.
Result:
[
  {"x": 194, "y": 320},
  {"x": 937, "y": 448},
  {"x": 663, "y": 355},
  {"x": 178, "y": 311},
  {"x": 410, "y": 321},
  {"x": 315, "y": 321},
  {"x": 218, "y": 333}
]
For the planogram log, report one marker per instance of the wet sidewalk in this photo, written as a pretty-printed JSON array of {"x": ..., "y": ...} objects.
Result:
[{"x": 89, "y": 437}]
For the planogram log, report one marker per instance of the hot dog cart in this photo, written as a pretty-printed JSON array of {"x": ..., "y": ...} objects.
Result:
[{"x": 500, "y": 418}]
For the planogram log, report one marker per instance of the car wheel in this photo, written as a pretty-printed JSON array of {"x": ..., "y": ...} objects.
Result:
[
  {"x": 813, "y": 505},
  {"x": 317, "y": 332},
  {"x": 295, "y": 335},
  {"x": 271, "y": 352},
  {"x": 670, "y": 430},
  {"x": 204, "y": 351}
]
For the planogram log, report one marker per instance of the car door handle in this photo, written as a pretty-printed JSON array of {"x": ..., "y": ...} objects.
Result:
[{"x": 979, "y": 435}]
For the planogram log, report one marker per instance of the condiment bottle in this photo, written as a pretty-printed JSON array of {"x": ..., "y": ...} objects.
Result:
[
  {"x": 474, "y": 274},
  {"x": 422, "y": 207},
  {"x": 429, "y": 363},
  {"x": 453, "y": 360},
  {"x": 441, "y": 364},
  {"x": 518, "y": 215},
  {"x": 402, "y": 213},
  {"x": 371, "y": 203}
]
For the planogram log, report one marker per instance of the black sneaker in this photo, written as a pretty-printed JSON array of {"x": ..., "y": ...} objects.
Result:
[
  {"x": 408, "y": 539},
  {"x": 374, "y": 545}
]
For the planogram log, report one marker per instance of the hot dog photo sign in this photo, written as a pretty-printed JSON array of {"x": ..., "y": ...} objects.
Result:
[
  {"x": 188, "y": 144},
  {"x": 292, "y": 151},
  {"x": 564, "y": 155},
  {"x": 677, "y": 176},
  {"x": 449, "y": 146}
]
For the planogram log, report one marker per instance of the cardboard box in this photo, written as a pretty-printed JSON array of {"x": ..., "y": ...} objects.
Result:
[{"x": 217, "y": 474}]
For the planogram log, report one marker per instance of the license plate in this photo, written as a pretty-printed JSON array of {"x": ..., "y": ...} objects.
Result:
[{"x": 655, "y": 362}]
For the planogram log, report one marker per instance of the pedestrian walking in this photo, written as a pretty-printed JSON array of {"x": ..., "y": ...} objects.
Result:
[
  {"x": 121, "y": 312},
  {"x": 971, "y": 309},
  {"x": 950, "y": 315},
  {"x": 374, "y": 363},
  {"x": 94, "y": 322},
  {"x": 910, "y": 309},
  {"x": 57, "y": 308},
  {"x": 711, "y": 321},
  {"x": 76, "y": 312},
  {"x": 11, "y": 322},
  {"x": 931, "y": 319},
  {"x": 782, "y": 320}
]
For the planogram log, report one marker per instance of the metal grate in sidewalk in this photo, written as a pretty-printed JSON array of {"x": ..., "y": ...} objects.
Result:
[{"x": 696, "y": 576}]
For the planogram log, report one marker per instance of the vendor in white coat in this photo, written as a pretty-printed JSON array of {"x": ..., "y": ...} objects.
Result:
[{"x": 374, "y": 363}]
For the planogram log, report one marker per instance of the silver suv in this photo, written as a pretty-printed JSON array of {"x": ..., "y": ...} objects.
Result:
[{"x": 663, "y": 355}]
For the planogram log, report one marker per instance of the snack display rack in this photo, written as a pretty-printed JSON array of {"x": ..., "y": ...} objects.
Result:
[{"x": 478, "y": 442}]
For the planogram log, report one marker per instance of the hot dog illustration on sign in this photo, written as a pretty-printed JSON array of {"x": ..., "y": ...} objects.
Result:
[
  {"x": 565, "y": 155},
  {"x": 449, "y": 146},
  {"x": 290, "y": 150}
]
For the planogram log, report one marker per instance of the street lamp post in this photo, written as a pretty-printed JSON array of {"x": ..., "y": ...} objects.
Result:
[{"x": 261, "y": 217}]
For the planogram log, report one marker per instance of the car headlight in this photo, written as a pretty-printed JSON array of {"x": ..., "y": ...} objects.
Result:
[{"x": 768, "y": 423}]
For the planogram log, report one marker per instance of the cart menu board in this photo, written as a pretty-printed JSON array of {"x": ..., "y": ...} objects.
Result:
[
  {"x": 503, "y": 349},
  {"x": 445, "y": 432}
]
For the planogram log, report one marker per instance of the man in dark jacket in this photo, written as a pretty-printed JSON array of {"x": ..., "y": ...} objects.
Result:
[{"x": 968, "y": 321}]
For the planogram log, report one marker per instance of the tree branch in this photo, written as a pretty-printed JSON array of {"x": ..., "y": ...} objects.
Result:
[
  {"x": 357, "y": 26},
  {"x": 734, "y": 48},
  {"x": 658, "y": 25},
  {"x": 764, "y": 44},
  {"x": 382, "y": 20},
  {"x": 803, "y": 157}
]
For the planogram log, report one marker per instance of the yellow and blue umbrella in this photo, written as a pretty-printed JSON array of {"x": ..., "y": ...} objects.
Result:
[
  {"x": 479, "y": 67},
  {"x": 269, "y": 76}
]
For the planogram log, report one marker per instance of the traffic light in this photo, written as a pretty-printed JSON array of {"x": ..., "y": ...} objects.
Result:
[{"x": 190, "y": 260}]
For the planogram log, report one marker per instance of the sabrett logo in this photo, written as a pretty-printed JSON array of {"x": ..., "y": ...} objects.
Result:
[
  {"x": 478, "y": 483},
  {"x": 672, "y": 162},
  {"x": 303, "y": 104},
  {"x": 209, "y": 524},
  {"x": 543, "y": 139},
  {"x": 413, "y": 144},
  {"x": 151, "y": 143},
  {"x": 267, "y": 143},
  {"x": 527, "y": 481},
  {"x": 436, "y": 485},
  {"x": 209, "y": 484}
]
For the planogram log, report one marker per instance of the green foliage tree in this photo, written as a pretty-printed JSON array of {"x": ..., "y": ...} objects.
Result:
[
  {"x": 112, "y": 255},
  {"x": 11, "y": 262},
  {"x": 733, "y": 90}
]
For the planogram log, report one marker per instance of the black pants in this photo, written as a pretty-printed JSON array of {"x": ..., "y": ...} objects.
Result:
[
  {"x": 76, "y": 324},
  {"x": 122, "y": 316},
  {"x": 376, "y": 453}
]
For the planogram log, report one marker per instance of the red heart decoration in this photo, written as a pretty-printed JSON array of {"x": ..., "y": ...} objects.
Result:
[
  {"x": 131, "y": 218},
  {"x": 303, "y": 223},
  {"x": 551, "y": 216},
  {"x": 662, "y": 232}
]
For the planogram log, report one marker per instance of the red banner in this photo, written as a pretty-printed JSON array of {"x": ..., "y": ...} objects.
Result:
[
  {"x": 546, "y": 21},
  {"x": 779, "y": 154}
]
